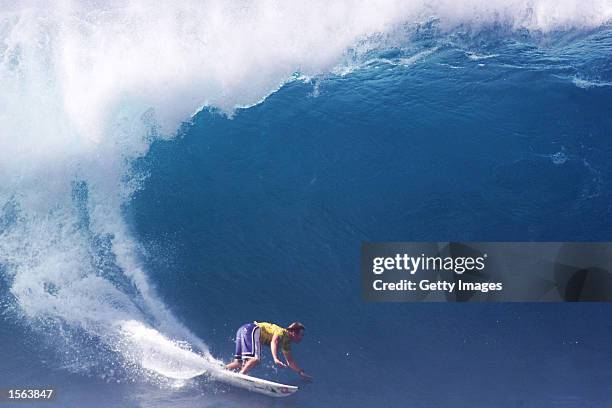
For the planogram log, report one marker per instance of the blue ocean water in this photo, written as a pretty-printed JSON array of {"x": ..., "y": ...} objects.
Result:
[{"x": 129, "y": 260}]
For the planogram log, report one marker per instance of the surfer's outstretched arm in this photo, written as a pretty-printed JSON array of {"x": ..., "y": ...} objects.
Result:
[
  {"x": 293, "y": 365},
  {"x": 274, "y": 348}
]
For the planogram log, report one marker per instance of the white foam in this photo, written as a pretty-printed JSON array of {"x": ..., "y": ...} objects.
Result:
[
  {"x": 586, "y": 83},
  {"x": 157, "y": 353}
]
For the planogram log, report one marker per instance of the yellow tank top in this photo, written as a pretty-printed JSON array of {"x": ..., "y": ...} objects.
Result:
[{"x": 268, "y": 330}]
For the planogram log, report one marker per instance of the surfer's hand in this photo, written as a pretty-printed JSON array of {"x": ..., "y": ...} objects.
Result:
[{"x": 280, "y": 363}]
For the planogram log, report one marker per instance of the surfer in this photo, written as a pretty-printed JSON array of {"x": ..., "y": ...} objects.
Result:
[{"x": 250, "y": 336}]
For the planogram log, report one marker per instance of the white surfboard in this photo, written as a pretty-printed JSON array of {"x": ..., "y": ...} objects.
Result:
[{"x": 254, "y": 384}]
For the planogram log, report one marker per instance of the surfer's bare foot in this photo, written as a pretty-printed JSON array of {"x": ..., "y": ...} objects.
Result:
[{"x": 233, "y": 365}]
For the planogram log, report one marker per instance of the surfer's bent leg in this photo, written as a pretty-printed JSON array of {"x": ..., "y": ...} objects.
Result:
[
  {"x": 250, "y": 348},
  {"x": 250, "y": 363},
  {"x": 242, "y": 332}
]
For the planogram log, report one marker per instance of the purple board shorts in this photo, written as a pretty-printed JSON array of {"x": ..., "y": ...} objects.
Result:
[{"x": 247, "y": 342}]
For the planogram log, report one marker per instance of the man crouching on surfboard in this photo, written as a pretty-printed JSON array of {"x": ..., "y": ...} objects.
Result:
[{"x": 250, "y": 336}]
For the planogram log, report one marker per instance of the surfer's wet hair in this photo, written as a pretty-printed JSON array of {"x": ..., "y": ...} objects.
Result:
[{"x": 296, "y": 327}]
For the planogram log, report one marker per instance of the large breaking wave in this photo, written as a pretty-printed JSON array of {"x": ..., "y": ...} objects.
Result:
[{"x": 86, "y": 90}]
